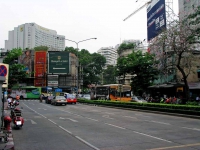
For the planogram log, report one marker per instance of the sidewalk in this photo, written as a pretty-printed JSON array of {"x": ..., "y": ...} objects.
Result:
[{"x": 6, "y": 143}]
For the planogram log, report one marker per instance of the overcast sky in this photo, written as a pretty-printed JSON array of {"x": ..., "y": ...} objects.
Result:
[{"x": 78, "y": 20}]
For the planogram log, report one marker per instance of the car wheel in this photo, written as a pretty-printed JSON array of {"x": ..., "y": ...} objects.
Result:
[
  {"x": 75, "y": 103},
  {"x": 55, "y": 104}
]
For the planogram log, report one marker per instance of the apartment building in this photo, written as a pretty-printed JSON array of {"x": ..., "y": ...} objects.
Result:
[
  {"x": 30, "y": 35},
  {"x": 110, "y": 53}
]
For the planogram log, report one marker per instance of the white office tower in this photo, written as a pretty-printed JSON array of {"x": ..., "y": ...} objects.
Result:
[
  {"x": 110, "y": 54},
  {"x": 187, "y": 7},
  {"x": 30, "y": 35}
]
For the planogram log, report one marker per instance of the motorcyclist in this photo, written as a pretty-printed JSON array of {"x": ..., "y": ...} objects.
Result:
[{"x": 17, "y": 98}]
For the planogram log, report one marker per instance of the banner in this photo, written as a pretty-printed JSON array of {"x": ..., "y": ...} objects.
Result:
[
  {"x": 156, "y": 18},
  {"x": 40, "y": 68},
  {"x": 58, "y": 62}
]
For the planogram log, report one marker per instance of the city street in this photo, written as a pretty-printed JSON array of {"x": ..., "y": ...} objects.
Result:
[{"x": 86, "y": 127}]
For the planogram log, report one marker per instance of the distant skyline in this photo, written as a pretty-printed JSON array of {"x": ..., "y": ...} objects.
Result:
[{"x": 78, "y": 20}]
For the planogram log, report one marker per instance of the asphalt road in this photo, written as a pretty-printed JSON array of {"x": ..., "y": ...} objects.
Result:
[{"x": 86, "y": 127}]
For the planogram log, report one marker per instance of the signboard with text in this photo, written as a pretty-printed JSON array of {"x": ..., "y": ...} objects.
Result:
[
  {"x": 52, "y": 80},
  {"x": 40, "y": 68},
  {"x": 156, "y": 18},
  {"x": 58, "y": 62}
]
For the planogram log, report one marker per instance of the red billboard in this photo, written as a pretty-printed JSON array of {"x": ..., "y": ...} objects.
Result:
[{"x": 40, "y": 68}]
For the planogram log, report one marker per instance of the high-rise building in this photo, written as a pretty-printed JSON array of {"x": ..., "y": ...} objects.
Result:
[
  {"x": 30, "y": 35},
  {"x": 110, "y": 54},
  {"x": 187, "y": 7}
]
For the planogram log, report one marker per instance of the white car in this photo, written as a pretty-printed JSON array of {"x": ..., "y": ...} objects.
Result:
[
  {"x": 138, "y": 99},
  {"x": 86, "y": 96}
]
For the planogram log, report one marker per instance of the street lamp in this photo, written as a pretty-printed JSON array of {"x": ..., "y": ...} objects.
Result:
[
  {"x": 81, "y": 41},
  {"x": 79, "y": 65}
]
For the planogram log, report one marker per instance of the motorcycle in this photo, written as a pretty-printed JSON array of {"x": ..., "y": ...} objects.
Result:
[{"x": 16, "y": 116}]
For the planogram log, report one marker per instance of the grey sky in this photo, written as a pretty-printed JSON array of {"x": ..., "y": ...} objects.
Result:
[{"x": 79, "y": 20}]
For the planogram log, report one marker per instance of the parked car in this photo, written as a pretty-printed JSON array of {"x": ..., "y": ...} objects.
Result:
[
  {"x": 138, "y": 99},
  {"x": 48, "y": 99},
  {"x": 59, "y": 100},
  {"x": 71, "y": 99},
  {"x": 86, "y": 96}
]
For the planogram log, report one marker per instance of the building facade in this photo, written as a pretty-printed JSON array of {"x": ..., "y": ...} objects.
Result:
[
  {"x": 110, "y": 54},
  {"x": 30, "y": 35}
]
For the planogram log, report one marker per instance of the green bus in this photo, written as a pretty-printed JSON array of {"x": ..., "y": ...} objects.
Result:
[{"x": 26, "y": 92}]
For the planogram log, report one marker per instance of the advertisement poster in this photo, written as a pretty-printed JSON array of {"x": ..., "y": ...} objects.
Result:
[
  {"x": 156, "y": 18},
  {"x": 40, "y": 69},
  {"x": 58, "y": 62}
]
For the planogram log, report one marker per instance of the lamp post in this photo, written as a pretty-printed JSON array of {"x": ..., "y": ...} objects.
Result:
[
  {"x": 80, "y": 41},
  {"x": 78, "y": 64}
]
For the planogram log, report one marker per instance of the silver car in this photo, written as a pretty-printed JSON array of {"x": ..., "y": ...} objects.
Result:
[
  {"x": 138, "y": 99},
  {"x": 86, "y": 96},
  {"x": 59, "y": 100}
]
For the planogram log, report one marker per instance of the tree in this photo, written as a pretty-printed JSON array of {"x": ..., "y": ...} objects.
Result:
[
  {"x": 71, "y": 50},
  {"x": 92, "y": 65},
  {"x": 40, "y": 48},
  {"x": 125, "y": 46},
  {"x": 180, "y": 41},
  {"x": 108, "y": 75},
  {"x": 140, "y": 66},
  {"x": 16, "y": 71}
]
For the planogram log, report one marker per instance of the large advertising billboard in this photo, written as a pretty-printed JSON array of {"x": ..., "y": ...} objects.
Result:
[
  {"x": 40, "y": 68},
  {"x": 58, "y": 62},
  {"x": 27, "y": 60},
  {"x": 156, "y": 18}
]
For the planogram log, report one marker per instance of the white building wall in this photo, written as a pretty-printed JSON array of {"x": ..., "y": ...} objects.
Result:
[
  {"x": 30, "y": 35},
  {"x": 110, "y": 54}
]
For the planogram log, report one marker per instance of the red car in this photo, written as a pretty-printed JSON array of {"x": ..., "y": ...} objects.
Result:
[{"x": 71, "y": 99}]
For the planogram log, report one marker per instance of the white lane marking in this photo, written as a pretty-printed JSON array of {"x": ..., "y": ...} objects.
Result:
[
  {"x": 52, "y": 121},
  {"x": 33, "y": 122},
  {"x": 65, "y": 130},
  {"x": 61, "y": 118},
  {"x": 35, "y": 111},
  {"x": 87, "y": 143},
  {"x": 196, "y": 129},
  {"x": 115, "y": 126},
  {"x": 72, "y": 120},
  {"x": 160, "y": 122},
  {"x": 68, "y": 119},
  {"x": 152, "y": 136},
  {"x": 107, "y": 116},
  {"x": 109, "y": 113},
  {"x": 130, "y": 117},
  {"x": 92, "y": 119},
  {"x": 42, "y": 108}
]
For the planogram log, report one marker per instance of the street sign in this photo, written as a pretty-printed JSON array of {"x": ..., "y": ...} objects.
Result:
[{"x": 3, "y": 70}]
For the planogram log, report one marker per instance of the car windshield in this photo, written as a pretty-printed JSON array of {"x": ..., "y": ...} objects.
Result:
[
  {"x": 71, "y": 96},
  {"x": 86, "y": 95},
  {"x": 139, "y": 97},
  {"x": 60, "y": 97}
]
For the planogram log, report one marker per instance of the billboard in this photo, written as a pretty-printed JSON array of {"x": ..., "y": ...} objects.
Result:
[
  {"x": 27, "y": 60},
  {"x": 58, "y": 62},
  {"x": 40, "y": 68},
  {"x": 156, "y": 18},
  {"x": 53, "y": 80}
]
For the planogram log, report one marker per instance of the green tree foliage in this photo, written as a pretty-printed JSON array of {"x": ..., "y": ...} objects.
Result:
[
  {"x": 140, "y": 66},
  {"x": 108, "y": 75},
  {"x": 92, "y": 65},
  {"x": 125, "y": 46},
  {"x": 71, "y": 50},
  {"x": 41, "y": 48},
  {"x": 180, "y": 41},
  {"x": 16, "y": 71}
]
